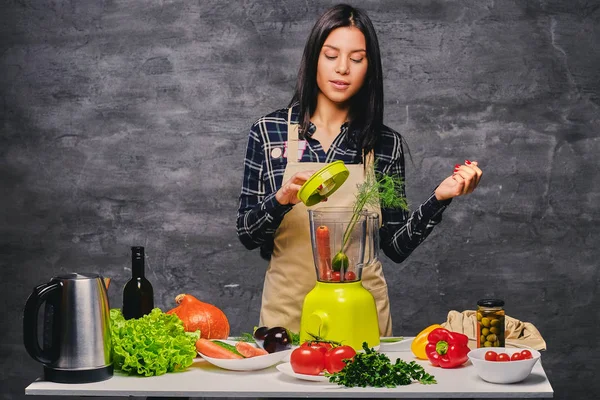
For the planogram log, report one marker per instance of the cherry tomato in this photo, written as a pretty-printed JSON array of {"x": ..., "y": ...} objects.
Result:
[
  {"x": 334, "y": 358},
  {"x": 307, "y": 360},
  {"x": 503, "y": 357},
  {"x": 491, "y": 355},
  {"x": 350, "y": 276},
  {"x": 526, "y": 354},
  {"x": 336, "y": 276},
  {"x": 516, "y": 357},
  {"x": 323, "y": 347}
]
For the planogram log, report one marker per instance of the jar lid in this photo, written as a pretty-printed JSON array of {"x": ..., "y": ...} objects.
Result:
[
  {"x": 323, "y": 183},
  {"x": 490, "y": 303}
]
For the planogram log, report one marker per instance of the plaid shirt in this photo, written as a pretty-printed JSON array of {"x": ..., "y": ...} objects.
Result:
[{"x": 260, "y": 214}]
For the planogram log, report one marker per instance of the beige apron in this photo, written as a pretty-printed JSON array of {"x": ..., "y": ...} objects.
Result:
[{"x": 291, "y": 273}]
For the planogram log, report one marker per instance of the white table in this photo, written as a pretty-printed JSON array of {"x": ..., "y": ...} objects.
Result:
[{"x": 205, "y": 380}]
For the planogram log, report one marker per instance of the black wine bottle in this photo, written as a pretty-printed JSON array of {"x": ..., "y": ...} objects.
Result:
[{"x": 138, "y": 295}]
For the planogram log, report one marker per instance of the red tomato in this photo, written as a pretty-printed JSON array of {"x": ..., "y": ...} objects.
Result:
[
  {"x": 526, "y": 354},
  {"x": 334, "y": 358},
  {"x": 336, "y": 276},
  {"x": 307, "y": 360},
  {"x": 350, "y": 276},
  {"x": 323, "y": 347},
  {"x": 516, "y": 357},
  {"x": 503, "y": 357},
  {"x": 491, "y": 355}
]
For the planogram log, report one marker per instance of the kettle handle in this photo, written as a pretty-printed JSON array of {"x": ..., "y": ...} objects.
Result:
[{"x": 30, "y": 322}]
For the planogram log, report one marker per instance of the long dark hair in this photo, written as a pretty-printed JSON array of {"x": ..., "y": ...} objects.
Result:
[{"x": 366, "y": 107}]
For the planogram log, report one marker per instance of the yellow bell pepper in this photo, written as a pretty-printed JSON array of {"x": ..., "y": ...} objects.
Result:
[{"x": 420, "y": 341}]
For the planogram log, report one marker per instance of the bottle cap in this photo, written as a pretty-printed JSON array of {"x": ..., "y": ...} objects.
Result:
[
  {"x": 323, "y": 183},
  {"x": 490, "y": 303}
]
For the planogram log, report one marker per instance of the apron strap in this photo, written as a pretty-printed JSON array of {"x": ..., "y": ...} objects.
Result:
[
  {"x": 289, "y": 117},
  {"x": 370, "y": 159},
  {"x": 292, "y": 140}
]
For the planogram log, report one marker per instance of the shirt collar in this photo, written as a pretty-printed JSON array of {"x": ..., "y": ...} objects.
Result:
[{"x": 312, "y": 129}]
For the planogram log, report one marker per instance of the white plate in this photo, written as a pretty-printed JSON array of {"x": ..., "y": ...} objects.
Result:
[
  {"x": 247, "y": 364},
  {"x": 402, "y": 345},
  {"x": 287, "y": 370}
]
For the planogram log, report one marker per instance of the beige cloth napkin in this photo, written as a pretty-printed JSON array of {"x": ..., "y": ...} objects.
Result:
[{"x": 516, "y": 333}]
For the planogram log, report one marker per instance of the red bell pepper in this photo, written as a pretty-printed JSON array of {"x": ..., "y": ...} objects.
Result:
[{"x": 447, "y": 349}]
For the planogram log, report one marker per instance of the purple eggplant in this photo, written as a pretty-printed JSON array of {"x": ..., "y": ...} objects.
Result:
[{"x": 277, "y": 339}]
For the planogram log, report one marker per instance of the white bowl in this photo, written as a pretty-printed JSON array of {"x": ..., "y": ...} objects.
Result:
[
  {"x": 502, "y": 371},
  {"x": 247, "y": 364}
]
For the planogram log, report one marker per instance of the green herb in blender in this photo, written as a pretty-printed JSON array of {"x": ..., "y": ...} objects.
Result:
[{"x": 377, "y": 189}]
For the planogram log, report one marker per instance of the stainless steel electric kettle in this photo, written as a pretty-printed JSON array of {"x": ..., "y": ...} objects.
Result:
[{"x": 76, "y": 333}]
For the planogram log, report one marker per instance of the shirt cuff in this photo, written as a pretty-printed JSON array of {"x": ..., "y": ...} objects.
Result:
[
  {"x": 273, "y": 208},
  {"x": 433, "y": 207}
]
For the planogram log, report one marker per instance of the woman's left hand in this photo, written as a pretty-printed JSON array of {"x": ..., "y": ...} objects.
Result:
[{"x": 463, "y": 181}]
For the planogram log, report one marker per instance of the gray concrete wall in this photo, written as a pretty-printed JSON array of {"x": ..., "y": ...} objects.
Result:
[{"x": 125, "y": 123}]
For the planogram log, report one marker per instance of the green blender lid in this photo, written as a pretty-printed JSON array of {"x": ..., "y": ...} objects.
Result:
[{"x": 323, "y": 183}]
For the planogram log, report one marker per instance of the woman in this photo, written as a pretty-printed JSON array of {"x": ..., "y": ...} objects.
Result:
[{"x": 336, "y": 113}]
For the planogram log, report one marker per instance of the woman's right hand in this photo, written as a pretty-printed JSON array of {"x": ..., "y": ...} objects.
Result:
[{"x": 288, "y": 192}]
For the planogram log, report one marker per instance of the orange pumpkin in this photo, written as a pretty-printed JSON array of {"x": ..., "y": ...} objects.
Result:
[{"x": 197, "y": 315}]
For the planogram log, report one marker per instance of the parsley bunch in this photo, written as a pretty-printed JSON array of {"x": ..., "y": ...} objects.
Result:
[{"x": 372, "y": 368}]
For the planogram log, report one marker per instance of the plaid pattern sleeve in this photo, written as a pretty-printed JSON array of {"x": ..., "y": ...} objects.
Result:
[
  {"x": 259, "y": 213},
  {"x": 401, "y": 231}
]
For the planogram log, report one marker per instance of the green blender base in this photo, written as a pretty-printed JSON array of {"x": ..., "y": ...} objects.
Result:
[{"x": 341, "y": 312}]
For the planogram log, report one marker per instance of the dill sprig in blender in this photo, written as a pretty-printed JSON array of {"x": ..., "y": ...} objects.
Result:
[{"x": 377, "y": 189}]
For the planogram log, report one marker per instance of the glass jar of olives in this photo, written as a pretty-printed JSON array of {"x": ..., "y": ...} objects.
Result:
[{"x": 490, "y": 323}]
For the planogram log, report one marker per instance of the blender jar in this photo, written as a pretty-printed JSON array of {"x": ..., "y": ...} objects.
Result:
[{"x": 343, "y": 242}]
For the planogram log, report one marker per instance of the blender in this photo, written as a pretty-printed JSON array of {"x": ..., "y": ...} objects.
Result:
[{"x": 339, "y": 308}]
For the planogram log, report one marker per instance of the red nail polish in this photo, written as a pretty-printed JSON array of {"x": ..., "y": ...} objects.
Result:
[
  {"x": 467, "y": 162},
  {"x": 457, "y": 166}
]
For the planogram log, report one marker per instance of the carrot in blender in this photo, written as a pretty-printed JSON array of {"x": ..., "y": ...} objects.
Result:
[{"x": 324, "y": 250}]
